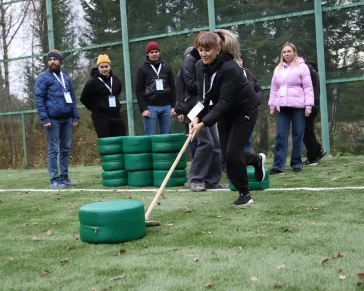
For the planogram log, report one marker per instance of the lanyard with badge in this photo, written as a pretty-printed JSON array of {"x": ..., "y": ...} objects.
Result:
[
  {"x": 199, "y": 106},
  {"x": 112, "y": 99},
  {"x": 158, "y": 82},
  {"x": 283, "y": 88},
  {"x": 67, "y": 95}
]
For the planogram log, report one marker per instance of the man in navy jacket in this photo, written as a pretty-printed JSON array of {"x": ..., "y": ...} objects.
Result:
[{"x": 56, "y": 105}]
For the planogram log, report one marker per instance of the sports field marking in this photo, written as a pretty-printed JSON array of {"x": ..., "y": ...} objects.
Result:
[{"x": 175, "y": 190}]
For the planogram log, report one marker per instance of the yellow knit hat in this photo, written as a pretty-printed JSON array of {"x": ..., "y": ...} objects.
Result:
[{"x": 103, "y": 59}]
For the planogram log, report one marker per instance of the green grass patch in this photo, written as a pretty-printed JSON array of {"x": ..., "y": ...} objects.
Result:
[{"x": 278, "y": 243}]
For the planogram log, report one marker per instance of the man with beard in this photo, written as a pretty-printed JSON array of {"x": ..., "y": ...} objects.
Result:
[
  {"x": 101, "y": 96},
  {"x": 56, "y": 105},
  {"x": 155, "y": 91}
]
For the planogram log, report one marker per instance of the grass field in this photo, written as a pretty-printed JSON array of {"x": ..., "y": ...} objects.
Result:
[{"x": 288, "y": 240}]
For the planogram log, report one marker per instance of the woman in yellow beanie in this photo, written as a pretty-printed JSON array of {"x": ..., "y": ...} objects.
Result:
[{"x": 100, "y": 95}]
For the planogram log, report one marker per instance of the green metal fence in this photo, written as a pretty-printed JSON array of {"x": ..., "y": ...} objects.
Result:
[{"x": 329, "y": 31}]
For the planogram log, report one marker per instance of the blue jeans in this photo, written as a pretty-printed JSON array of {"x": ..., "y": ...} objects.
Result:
[
  {"x": 285, "y": 117},
  {"x": 248, "y": 147},
  {"x": 163, "y": 114},
  {"x": 59, "y": 137}
]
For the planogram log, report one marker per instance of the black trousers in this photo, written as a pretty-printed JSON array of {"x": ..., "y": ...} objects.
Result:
[
  {"x": 313, "y": 147},
  {"x": 234, "y": 132},
  {"x": 109, "y": 126}
]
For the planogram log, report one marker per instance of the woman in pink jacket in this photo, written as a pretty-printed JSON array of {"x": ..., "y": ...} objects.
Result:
[{"x": 291, "y": 99}]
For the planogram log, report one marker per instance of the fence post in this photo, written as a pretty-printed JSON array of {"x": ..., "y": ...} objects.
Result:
[
  {"x": 50, "y": 24},
  {"x": 24, "y": 140},
  {"x": 322, "y": 76},
  {"x": 211, "y": 9},
  {"x": 128, "y": 91}
]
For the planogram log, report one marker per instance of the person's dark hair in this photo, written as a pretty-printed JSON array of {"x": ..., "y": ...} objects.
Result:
[{"x": 301, "y": 53}]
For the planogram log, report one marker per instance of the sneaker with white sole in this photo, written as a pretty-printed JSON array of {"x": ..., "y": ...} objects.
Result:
[
  {"x": 259, "y": 169},
  {"x": 195, "y": 186},
  {"x": 243, "y": 199},
  {"x": 65, "y": 181},
  {"x": 55, "y": 184}
]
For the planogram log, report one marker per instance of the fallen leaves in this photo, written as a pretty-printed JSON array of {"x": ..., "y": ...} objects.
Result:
[
  {"x": 208, "y": 284},
  {"x": 122, "y": 252},
  {"x": 63, "y": 262},
  {"x": 338, "y": 255},
  {"x": 282, "y": 267},
  {"x": 49, "y": 232},
  {"x": 45, "y": 272},
  {"x": 122, "y": 276},
  {"x": 342, "y": 277},
  {"x": 324, "y": 261},
  {"x": 361, "y": 275},
  {"x": 254, "y": 278},
  {"x": 35, "y": 238},
  {"x": 70, "y": 248}
]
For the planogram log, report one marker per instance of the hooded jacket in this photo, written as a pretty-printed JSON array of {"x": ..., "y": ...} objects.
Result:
[
  {"x": 146, "y": 91},
  {"x": 95, "y": 95},
  {"x": 299, "y": 87},
  {"x": 50, "y": 100},
  {"x": 186, "y": 83},
  {"x": 230, "y": 93}
]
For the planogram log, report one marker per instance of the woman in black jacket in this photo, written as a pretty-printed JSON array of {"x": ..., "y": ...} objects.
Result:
[
  {"x": 222, "y": 82},
  {"x": 100, "y": 95}
]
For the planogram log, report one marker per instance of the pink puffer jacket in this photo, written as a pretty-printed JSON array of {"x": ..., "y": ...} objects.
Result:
[{"x": 299, "y": 87}]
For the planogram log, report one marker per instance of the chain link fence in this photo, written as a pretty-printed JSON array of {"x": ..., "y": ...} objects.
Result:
[{"x": 82, "y": 30}]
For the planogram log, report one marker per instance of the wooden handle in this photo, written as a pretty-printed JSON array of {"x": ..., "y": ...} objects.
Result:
[{"x": 166, "y": 179}]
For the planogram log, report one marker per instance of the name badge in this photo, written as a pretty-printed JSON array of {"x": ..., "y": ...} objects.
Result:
[
  {"x": 195, "y": 111},
  {"x": 283, "y": 90},
  {"x": 112, "y": 101},
  {"x": 67, "y": 96},
  {"x": 159, "y": 84}
]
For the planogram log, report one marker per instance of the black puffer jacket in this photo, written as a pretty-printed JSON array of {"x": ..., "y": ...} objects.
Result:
[
  {"x": 230, "y": 93},
  {"x": 146, "y": 91},
  {"x": 95, "y": 95}
]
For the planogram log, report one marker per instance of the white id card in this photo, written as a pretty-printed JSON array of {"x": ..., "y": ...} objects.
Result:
[
  {"x": 67, "y": 96},
  {"x": 195, "y": 111},
  {"x": 159, "y": 84},
  {"x": 112, "y": 101},
  {"x": 283, "y": 90}
]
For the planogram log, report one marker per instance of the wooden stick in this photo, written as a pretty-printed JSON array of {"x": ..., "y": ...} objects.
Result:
[{"x": 165, "y": 181}]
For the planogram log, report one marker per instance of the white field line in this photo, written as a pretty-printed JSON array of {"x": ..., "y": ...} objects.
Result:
[{"x": 174, "y": 190}]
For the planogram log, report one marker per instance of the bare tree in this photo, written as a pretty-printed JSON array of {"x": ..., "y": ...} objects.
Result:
[{"x": 11, "y": 19}]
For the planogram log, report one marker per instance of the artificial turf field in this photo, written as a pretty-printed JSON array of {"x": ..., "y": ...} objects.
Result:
[{"x": 304, "y": 233}]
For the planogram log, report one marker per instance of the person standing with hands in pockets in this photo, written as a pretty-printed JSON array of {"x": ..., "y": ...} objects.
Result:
[
  {"x": 235, "y": 106},
  {"x": 56, "y": 106},
  {"x": 291, "y": 100}
]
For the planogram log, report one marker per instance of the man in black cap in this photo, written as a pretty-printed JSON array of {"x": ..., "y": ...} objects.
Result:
[{"x": 56, "y": 106}]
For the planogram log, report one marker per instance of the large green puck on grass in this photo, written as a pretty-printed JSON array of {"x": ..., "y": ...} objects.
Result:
[
  {"x": 178, "y": 178},
  {"x": 137, "y": 144},
  {"x": 164, "y": 161},
  {"x": 138, "y": 162},
  {"x": 113, "y": 162},
  {"x": 168, "y": 143},
  {"x": 140, "y": 178},
  {"x": 110, "y": 145},
  {"x": 112, "y": 221},
  {"x": 115, "y": 178},
  {"x": 252, "y": 183}
]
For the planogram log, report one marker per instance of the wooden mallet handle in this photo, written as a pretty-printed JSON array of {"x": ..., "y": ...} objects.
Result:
[{"x": 166, "y": 179}]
